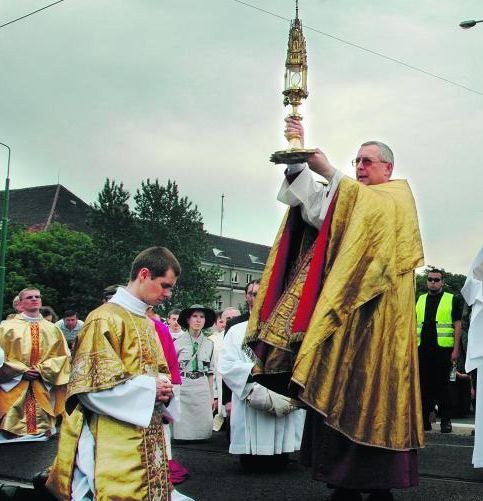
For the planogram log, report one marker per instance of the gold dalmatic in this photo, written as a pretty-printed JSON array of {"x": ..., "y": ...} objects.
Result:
[
  {"x": 30, "y": 408},
  {"x": 130, "y": 461}
]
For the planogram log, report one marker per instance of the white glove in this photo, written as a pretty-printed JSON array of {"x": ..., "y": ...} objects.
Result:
[
  {"x": 281, "y": 405},
  {"x": 259, "y": 398},
  {"x": 263, "y": 399}
]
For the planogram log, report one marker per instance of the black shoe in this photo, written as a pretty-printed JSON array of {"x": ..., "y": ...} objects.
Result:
[
  {"x": 341, "y": 494},
  {"x": 381, "y": 495},
  {"x": 446, "y": 426}
]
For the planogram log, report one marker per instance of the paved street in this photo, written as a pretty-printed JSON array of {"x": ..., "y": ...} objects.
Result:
[{"x": 445, "y": 468}]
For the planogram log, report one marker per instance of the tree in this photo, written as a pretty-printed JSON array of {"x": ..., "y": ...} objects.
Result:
[
  {"x": 160, "y": 217},
  {"x": 173, "y": 221},
  {"x": 115, "y": 233},
  {"x": 453, "y": 281},
  {"x": 59, "y": 262}
]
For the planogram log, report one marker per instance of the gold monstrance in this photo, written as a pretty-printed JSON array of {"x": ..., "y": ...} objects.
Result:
[{"x": 295, "y": 91}]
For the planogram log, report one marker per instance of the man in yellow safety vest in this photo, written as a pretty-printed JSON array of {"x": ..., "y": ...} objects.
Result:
[{"x": 438, "y": 315}]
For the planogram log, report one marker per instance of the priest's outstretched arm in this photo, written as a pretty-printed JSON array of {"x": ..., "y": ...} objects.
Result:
[{"x": 299, "y": 187}]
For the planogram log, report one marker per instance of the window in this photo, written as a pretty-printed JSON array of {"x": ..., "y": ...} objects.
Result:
[
  {"x": 234, "y": 277},
  {"x": 249, "y": 278},
  {"x": 219, "y": 303},
  {"x": 219, "y": 253},
  {"x": 221, "y": 276},
  {"x": 255, "y": 259}
]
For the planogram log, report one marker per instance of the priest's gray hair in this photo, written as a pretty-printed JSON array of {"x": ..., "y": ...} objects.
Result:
[{"x": 385, "y": 152}]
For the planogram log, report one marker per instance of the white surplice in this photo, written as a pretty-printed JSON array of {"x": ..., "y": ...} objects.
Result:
[
  {"x": 473, "y": 293},
  {"x": 313, "y": 198},
  {"x": 253, "y": 431}
]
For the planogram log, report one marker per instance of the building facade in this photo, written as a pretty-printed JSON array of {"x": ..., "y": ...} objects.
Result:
[{"x": 239, "y": 263}]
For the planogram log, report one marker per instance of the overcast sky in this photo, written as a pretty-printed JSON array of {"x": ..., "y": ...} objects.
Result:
[{"x": 191, "y": 91}]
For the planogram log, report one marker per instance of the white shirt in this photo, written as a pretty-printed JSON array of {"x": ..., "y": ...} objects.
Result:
[{"x": 313, "y": 198}]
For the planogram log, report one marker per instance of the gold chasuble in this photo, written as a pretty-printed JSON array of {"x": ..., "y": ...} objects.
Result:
[
  {"x": 130, "y": 462},
  {"x": 30, "y": 408},
  {"x": 339, "y": 318}
]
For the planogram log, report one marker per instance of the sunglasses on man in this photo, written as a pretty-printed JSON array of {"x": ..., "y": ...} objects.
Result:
[{"x": 436, "y": 280}]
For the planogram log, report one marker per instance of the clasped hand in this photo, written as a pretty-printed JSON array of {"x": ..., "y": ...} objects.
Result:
[
  {"x": 164, "y": 390},
  {"x": 31, "y": 374}
]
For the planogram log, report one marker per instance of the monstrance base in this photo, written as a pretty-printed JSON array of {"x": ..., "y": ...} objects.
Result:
[{"x": 293, "y": 156}]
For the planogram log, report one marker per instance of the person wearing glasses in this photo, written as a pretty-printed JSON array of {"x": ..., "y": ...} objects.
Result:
[
  {"x": 439, "y": 316},
  {"x": 34, "y": 377},
  {"x": 333, "y": 324}
]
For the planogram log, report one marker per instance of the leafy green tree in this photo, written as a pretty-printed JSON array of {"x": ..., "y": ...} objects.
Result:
[
  {"x": 71, "y": 269},
  {"x": 173, "y": 221},
  {"x": 161, "y": 216},
  {"x": 453, "y": 282},
  {"x": 59, "y": 262},
  {"x": 115, "y": 233}
]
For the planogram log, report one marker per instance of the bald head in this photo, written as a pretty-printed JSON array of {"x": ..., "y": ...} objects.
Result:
[{"x": 229, "y": 313}]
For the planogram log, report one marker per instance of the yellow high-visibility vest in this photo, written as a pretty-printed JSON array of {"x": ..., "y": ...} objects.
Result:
[{"x": 444, "y": 321}]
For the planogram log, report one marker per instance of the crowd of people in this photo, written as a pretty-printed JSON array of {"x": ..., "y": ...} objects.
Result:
[
  {"x": 301, "y": 368},
  {"x": 68, "y": 371}
]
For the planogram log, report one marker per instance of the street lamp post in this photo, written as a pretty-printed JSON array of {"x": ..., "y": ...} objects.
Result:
[
  {"x": 469, "y": 24},
  {"x": 3, "y": 241}
]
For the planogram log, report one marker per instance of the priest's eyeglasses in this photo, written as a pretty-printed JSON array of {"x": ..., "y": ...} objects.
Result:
[
  {"x": 367, "y": 162},
  {"x": 436, "y": 280}
]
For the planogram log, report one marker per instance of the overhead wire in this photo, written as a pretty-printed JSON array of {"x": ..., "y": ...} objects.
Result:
[
  {"x": 365, "y": 49},
  {"x": 30, "y": 14},
  {"x": 315, "y": 30}
]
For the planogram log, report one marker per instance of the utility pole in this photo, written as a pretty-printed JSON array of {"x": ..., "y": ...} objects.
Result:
[
  {"x": 222, "y": 213},
  {"x": 3, "y": 241}
]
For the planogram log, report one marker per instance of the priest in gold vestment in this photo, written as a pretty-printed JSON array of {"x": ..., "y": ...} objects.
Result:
[
  {"x": 112, "y": 442},
  {"x": 34, "y": 377},
  {"x": 334, "y": 323}
]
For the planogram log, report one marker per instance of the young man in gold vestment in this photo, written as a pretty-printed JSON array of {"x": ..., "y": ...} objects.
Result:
[
  {"x": 34, "y": 377},
  {"x": 112, "y": 442},
  {"x": 333, "y": 324}
]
